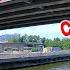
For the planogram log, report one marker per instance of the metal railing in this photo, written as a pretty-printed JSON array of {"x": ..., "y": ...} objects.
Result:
[{"x": 7, "y": 55}]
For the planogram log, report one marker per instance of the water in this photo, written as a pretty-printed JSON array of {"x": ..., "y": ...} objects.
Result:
[{"x": 54, "y": 66}]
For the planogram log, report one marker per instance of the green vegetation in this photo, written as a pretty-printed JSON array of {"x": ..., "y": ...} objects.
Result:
[
  {"x": 34, "y": 49},
  {"x": 62, "y": 43}
]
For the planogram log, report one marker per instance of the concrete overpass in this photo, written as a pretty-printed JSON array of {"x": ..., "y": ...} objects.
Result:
[{"x": 22, "y": 13}]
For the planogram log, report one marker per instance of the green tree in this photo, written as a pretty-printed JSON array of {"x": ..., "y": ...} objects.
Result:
[{"x": 13, "y": 40}]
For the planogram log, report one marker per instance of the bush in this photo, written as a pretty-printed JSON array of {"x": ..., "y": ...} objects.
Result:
[{"x": 34, "y": 49}]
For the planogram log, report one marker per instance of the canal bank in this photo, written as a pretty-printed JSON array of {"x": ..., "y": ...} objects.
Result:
[
  {"x": 52, "y": 66},
  {"x": 41, "y": 58}
]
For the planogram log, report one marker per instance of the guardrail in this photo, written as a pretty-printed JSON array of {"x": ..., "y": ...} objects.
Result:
[{"x": 8, "y": 55}]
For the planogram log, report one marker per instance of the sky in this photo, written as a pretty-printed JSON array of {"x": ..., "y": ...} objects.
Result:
[
  {"x": 1, "y": 1},
  {"x": 50, "y": 31}
]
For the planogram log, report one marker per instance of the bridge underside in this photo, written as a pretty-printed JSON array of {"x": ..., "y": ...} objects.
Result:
[{"x": 22, "y": 13}]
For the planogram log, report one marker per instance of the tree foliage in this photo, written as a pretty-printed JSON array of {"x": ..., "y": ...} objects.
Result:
[{"x": 62, "y": 43}]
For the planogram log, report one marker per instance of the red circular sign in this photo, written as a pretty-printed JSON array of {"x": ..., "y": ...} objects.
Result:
[{"x": 63, "y": 23}]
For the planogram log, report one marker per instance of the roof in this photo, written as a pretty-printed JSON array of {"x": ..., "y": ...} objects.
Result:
[{"x": 22, "y": 13}]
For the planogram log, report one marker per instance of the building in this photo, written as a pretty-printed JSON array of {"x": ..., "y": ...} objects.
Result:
[{"x": 9, "y": 47}]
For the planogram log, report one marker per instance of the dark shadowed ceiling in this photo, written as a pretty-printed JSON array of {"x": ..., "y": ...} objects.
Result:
[{"x": 22, "y": 13}]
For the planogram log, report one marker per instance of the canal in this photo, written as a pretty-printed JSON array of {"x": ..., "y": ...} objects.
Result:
[{"x": 54, "y": 66}]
